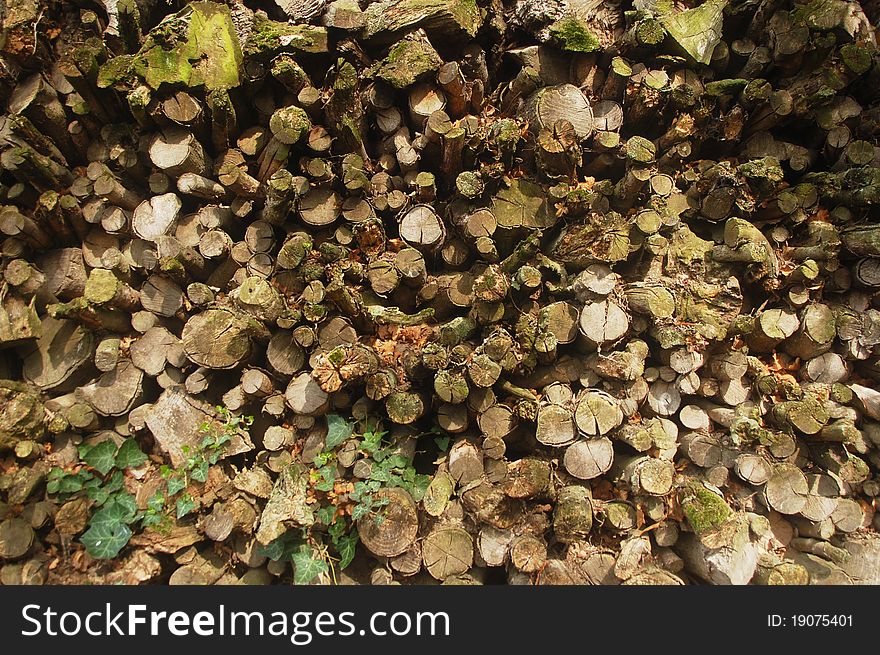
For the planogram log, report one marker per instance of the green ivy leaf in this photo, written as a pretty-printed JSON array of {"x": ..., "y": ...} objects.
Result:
[
  {"x": 325, "y": 515},
  {"x": 175, "y": 484},
  {"x": 151, "y": 519},
  {"x": 101, "y": 457},
  {"x": 346, "y": 546},
  {"x": 105, "y": 540},
  {"x": 108, "y": 529},
  {"x": 305, "y": 566},
  {"x": 122, "y": 506},
  {"x": 359, "y": 510},
  {"x": 379, "y": 474},
  {"x": 328, "y": 478},
  {"x": 277, "y": 548},
  {"x": 322, "y": 458},
  {"x": 154, "y": 514},
  {"x": 372, "y": 442},
  {"x": 442, "y": 443},
  {"x": 200, "y": 473},
  {"x": 130, "y": 455},
  {"x": 60, "y": 482},
  {"x": 273, "y": 550},
  {"x": 185, "y": 505},
  {"x": 397, "y": 462},
  {"x": 419, "y": 487},
  {"x": 337, "y": 528},
  {"x": 115, "y": 482},
  {"x": 157, "y": 502},
  {"x": 338, "y": 430},
  {"x": 98, "y": 494},
  {"x": 80, "y": 480}
]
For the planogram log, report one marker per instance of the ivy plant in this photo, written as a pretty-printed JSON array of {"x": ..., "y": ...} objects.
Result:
[
  {"x": 341, "y": 502},
  {"x": 215, "y": 437},
  {"x": 100, "y": 477}
]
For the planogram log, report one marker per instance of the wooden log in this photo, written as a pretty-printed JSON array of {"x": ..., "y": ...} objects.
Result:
[
  {"x": 550, "y": 104},
  {"x": 424, "y": 100},
  {"x": 555, "y": 426},
  {"x": 220, "y": 338},
  {"x": 527, "y": 478},
  {"x": 528, "y": 553},
  {"x": 465, "y": 462},
  {"x": 496, "y": 420},
  {"x": 702, "y": 449},
  {"x": 176, "y": 151},
  {"x": 596, "y": 413},
  {"x": 603, "y": 322},
  {"x": 156, "y": 217},
  {"x": 14, "y": 224},
  {"x": 320, "y": 207},
  {"x": 754, "y": 469},
  {"x": 787, "y": 490},
  {"x": 396, "y": 533},
  {"x": 589, "y": 459},
  {"x": 647, "y": 475},
  {"x": 422, "y": 228},
  {"x": 161, "y": 296},
  {"x": 305, "y": 396},
  {"x": 150, "y": 352},
  {"x": 116, "y": 391},
  {"x": 404, "y": 407},
  {"x": 103, "y": 287},
  {"x": 447, "y": 551},
  {"x": 65, "y": 272},
  {"x": 62, "y": 352}
]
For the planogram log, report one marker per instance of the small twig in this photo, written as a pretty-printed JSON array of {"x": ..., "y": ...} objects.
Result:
[{"x": 37, "y": 22}]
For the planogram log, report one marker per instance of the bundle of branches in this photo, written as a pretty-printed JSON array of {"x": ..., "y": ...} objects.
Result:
[{"x": 440, "y": 290}]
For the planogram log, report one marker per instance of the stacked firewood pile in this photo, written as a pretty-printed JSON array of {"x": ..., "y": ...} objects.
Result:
[{"x": 514, "y": 292}]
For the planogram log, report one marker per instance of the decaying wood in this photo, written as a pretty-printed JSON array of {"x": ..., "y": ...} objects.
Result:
[{"x": 619, "y": 265}]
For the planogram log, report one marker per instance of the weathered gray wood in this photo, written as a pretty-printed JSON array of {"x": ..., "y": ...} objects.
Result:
[
  {"x": 447, "y": 551},
  {"x": 220, "y": 338},
  {"x": 589, "y": 459},
  {"x": 116, "y": 391},
  {"x": 305, "y": 396},
  {"x": 63, "y": 351},
  {"x": 156, "y": 217},
  {"x": 177, "y": 151},
  {"x": 174, "y": 420}
]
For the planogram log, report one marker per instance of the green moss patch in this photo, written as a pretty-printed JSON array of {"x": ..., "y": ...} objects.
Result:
[
  {"x": 197, "y": 46},
  {"x": 703, "y": 508},
  {"x": 572, "y": 35},
  {"x": 271, "y": 36},
  {"x": 407, "y": 62}
]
